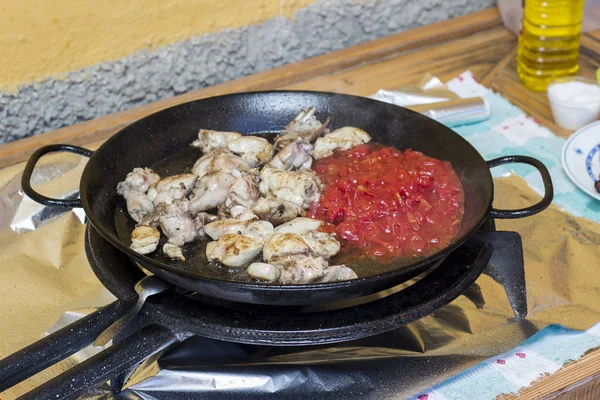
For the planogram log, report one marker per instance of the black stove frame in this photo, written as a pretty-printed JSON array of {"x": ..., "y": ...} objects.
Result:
[{"x": 173, "y": 316}]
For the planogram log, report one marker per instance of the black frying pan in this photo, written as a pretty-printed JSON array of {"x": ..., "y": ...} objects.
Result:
[{"x": 161, "y": 141}]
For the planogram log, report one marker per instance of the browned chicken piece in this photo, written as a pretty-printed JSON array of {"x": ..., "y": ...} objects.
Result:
[
  {"x": 301, "y": 187},
  {"x": 255, "y": 229},
  {"x": 144, "y": 239},
  {"x": 180, "y": 181},
  {"x": 211, "y": 190},
  {"x": 139, "y": 205},
  {"x": 299, "y": 226},
  {"x": 242, "y": 195},
  {"x": 140, "y": 180},
  {"x": 173, "y": 251},
  {"x": 321, "y": 244},
  {"x": 305, "y": 125},
  {"x": 294, "y": 155},
  {"x": 171, "y": 188},
  {"x": 220, "y": 160},
  {"x": 210, "y": 140},
  {"x": 216, "y": 229},
  {"x": 177, "y": 222},
  {"x": 276, "y": 211},
  {"x": 134, "y": 189},
  {"x": 234, "y": 250},
  {"x": 336, "y": 273},
  {"x": 202, "y": 219},
  {"x": 264, "y": 272},
  {"x": 341, "y": 139},
  {"x": 301, "y": 270},
  {"x": 280, "y": 246},
  {"x": 255, "y": 150}
]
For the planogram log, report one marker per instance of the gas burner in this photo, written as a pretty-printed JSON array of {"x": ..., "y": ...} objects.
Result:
[{"x": 175, "y": 315}]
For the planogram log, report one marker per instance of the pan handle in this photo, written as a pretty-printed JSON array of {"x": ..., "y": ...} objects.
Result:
[
  {"x": 531, "y": 210},
  {"x": 30, "y": 166}
]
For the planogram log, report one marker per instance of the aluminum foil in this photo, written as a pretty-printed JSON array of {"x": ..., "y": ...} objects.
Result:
[
  {"x": 431, "y": 98},
  {"x": 47, "y": 283}
]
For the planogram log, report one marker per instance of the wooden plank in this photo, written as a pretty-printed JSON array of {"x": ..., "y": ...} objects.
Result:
[
  {"x": 501, "y": 66},
  {"x": 104, "y": 127},
  {"x": 480, "y": 53}
]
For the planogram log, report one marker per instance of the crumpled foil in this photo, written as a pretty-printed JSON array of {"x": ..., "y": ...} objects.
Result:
[{"x": 46, "y": 278}]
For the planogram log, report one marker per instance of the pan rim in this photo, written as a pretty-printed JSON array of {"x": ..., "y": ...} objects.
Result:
[{"x": 142, "y": 259}]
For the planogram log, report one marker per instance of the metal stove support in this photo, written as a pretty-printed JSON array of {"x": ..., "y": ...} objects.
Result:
[
  {"x": 105, "y": 365},
  {"x": 507, "y": 266},
  {"x": 59, "y": 345}
]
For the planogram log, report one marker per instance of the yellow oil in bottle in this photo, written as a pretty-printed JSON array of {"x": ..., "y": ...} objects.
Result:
[{"x": 549, "y": 41}]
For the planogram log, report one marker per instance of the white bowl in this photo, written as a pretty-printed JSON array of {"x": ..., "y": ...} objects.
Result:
[{"x": 573, "y": 115}]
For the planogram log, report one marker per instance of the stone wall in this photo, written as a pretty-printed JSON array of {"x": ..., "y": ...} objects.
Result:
[{"x": 150, "y": 75}]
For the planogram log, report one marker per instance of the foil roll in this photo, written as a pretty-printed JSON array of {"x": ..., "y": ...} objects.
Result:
[
  {"x": 432, "y": 99},
  {"x": 456, "y": 112}
]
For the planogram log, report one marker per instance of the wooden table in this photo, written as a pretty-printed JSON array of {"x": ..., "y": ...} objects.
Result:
[{"x": 477, "y": 42}]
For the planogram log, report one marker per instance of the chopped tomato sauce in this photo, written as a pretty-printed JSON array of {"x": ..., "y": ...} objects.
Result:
[{"x": 388, "y": 203}]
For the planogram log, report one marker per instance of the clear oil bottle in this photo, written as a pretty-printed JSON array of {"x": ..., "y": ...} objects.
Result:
[{"x": 549, "y": 41}]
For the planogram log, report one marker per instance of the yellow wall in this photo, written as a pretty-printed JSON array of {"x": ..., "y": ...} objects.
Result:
[{"x": 40, "y": 38}]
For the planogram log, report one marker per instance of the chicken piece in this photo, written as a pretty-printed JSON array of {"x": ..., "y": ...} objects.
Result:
[
  {"x": 151, "y": 219},
  {"x": 341, "y": 139},
  {"x": 244, "y": 192},
  {"x": 168, "y": 196},
  {"x": 211, "y": 190},
  {"x": 173, "y": 251},
  {"x": 300, "y": 270},
  {"x": 254, "y": 150},
  {"x": 305, "y": 125},
  {"x": 276, "y": 211},
  {"x": 134, "y": 189},
  {"x": 140, "y": 180},
  {"x": 241, "y": 213},
  {"x": 139, "y": 205},
  {"x": 321, "y": 244},
  {"x": 220, "y": 160},
  {"x": 222, "y": 227},
  {"x": 201, "y": 220},
  {"x": 171, "y": 188},
  {"x": 299, "y": 226},
  {"x": 259, "y": 230},
  {"x": 152, "y": 193},
  {"x": 234, "y": 250},
  {"x": 280, "y": 246},
  {"x": 177, "y": 222},
  {"x": 144, "y": 239},
  {"x": 180, "y": 181},
  {"x": 210, "y": 140},
  {"x": 264, "y": 271},
  {"x": 299, "y": 187},
  {"x": 294, "y": 155},
  {"x": 337, "y": 273}
]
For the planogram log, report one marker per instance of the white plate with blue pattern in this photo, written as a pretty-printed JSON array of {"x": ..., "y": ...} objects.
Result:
[{"x": 581, "y": 158}]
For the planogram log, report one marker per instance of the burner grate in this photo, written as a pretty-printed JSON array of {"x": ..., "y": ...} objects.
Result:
[{"x": 173, "y": 316}]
